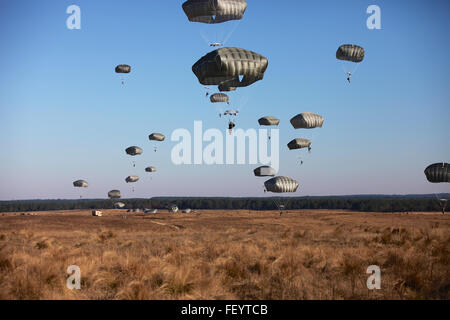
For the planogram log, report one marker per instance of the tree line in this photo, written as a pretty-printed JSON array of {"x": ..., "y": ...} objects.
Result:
[{"x": 355, "y": 203}]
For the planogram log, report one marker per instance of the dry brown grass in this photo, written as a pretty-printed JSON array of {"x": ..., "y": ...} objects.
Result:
[{"x": 225, "y": 255}]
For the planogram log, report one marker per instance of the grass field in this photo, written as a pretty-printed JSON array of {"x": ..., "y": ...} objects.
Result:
[{"x": 316, "y": 254}]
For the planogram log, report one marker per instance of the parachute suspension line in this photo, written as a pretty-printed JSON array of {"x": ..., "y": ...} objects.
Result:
[
  {"x": 349, "y": 74},
  {"x": 231, "y": 32},
  {"x": 205, "y": 38},
  {"x": 220, "y": 35},
  {"x": 442, "y": 203},
  {"x": 356, "y": 68},
  {"x": 279, "y": 205},
  {"x": 216, "y": 38}
]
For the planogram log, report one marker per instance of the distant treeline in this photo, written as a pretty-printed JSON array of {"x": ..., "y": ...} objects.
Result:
[{"x": 357, "y": 203}]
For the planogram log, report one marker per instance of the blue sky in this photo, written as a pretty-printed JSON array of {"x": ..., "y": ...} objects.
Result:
[{"x": 65, "y": 115}]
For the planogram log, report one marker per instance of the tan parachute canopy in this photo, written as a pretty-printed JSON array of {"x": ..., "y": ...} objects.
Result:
[
  {"x": 299, "y": 143},
  {"x": 130, "y": 179},
  {"x": 80, "y": 184},
  {"x": 307, "y": 120},
  {"x": 264, "y": 171},
  {"x": 350, "y": 52},
  {"x": 438, "y": 172},
  {"x": 281, "y": 184},
  {"x": 114, "y": 194},
  {"x": 219, "y": 97},
  {"x": 133, "y": 151},
  {"x": 214, "y": 11},
  {"x": 157, "y": 137},
  {"x": 123, "y": 68},
  {"x": 222, "y": 67},
  {"x": 268, "y": 121}
]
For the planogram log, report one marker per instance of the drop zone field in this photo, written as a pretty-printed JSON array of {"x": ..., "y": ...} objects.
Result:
[{"x": 315, "y": 254}]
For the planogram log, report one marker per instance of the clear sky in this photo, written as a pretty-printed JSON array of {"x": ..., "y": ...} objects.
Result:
[{"x": 65, "y": 115}]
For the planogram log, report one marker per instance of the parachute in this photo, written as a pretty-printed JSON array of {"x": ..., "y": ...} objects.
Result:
[
  {"x": 219, "y": 97},
  {"x": 350, "y": 52},
  {"x": 268, "y": 121},
  {"x": 150, "y": 169},
  {"x": 157, "y": 137},
  {"x": 222, "y": 67},
  {"x": 123, "y": 68},
  {"x": 131, "y": 179},
  {"x": 80, "y": 184},
  {"x": 299, "y": 143},
  {"x": 438, "y": 172},
  {"x": 114, "y": 194},
  {"x": 264, "y": 171},
  {"x": 133, "y": 151},
  {"x": 281, "y": 184},
  {"x": 307, "y": 120},
  {"x": 214, "y": 11}
]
